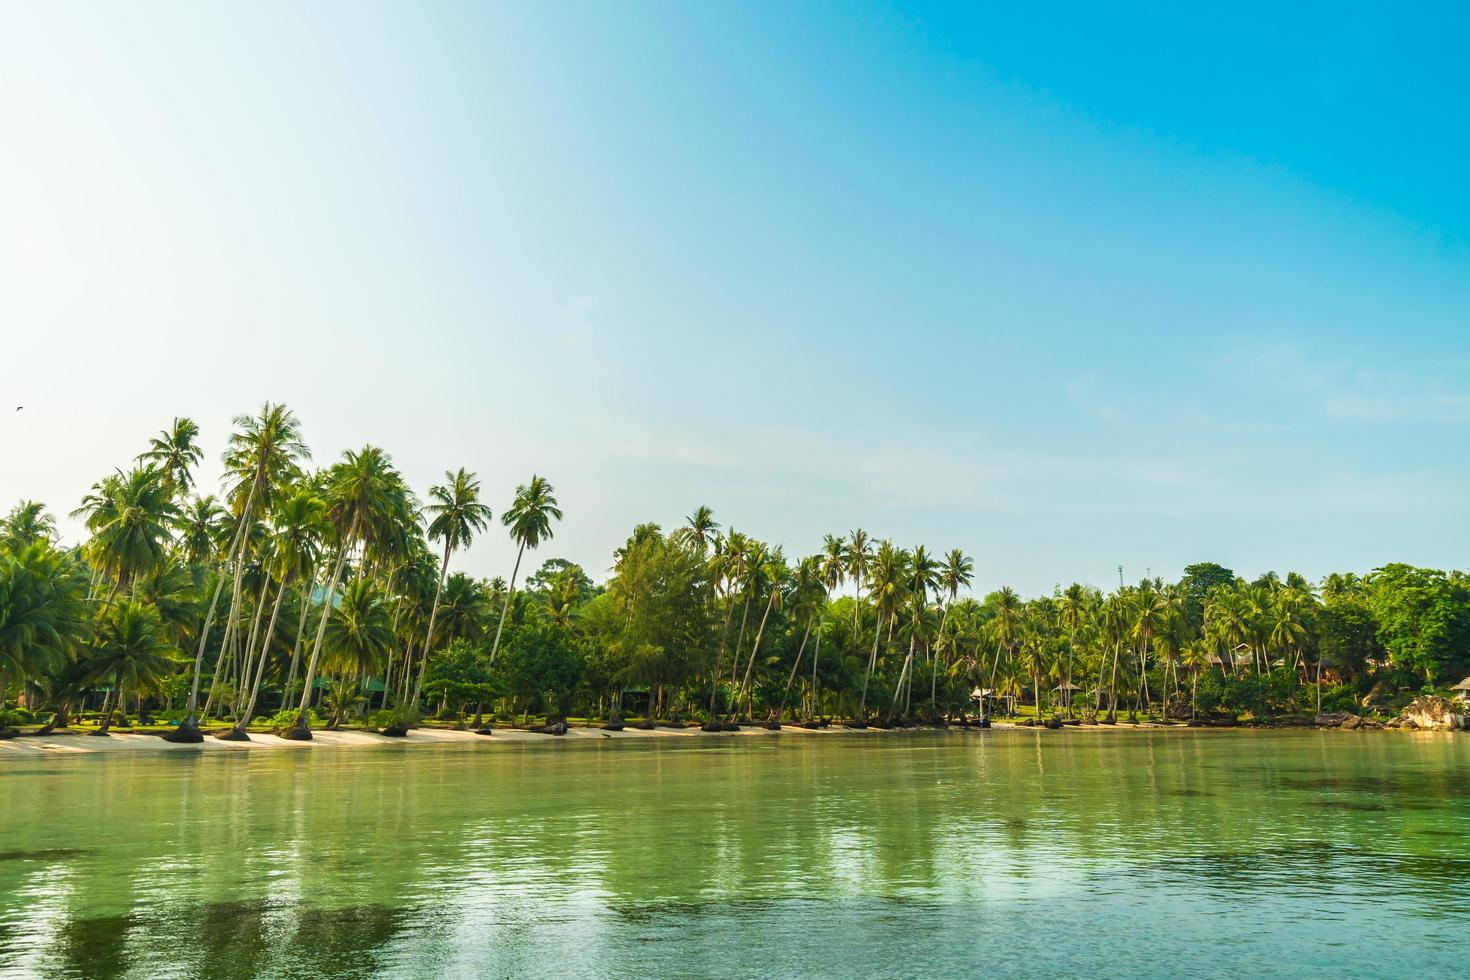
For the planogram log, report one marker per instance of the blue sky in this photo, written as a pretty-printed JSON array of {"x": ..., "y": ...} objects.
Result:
[{"x": 1067, "y": 288}]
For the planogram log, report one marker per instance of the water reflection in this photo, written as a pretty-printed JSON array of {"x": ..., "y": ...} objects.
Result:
[{"x": 794, "y": 855}]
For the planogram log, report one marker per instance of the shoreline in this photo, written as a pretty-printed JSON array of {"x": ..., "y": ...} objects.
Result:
[{"x": 78, "y": 742}]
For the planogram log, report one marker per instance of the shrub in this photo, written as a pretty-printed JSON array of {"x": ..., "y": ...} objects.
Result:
[
  {"x": 15, "y": 716},
  {"x": 286, "y": 718}
]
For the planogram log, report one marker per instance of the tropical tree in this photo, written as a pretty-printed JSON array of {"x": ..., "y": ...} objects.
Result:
[
  {"x": 456, "y": 516},
  {"x": 529, "y": 520},
  {"x": 128, "y": 649},
  {"x": 175, "y": 453}
]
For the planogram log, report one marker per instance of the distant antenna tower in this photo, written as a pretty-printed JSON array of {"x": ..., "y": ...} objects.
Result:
[{"x": 1120, "y": 576}]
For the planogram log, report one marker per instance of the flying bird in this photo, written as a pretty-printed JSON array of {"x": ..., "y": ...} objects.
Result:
[{"x": 19, "y": 407}]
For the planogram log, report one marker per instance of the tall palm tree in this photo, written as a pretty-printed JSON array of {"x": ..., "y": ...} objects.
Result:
[
  {"x": 363, "y": 489},
  {"x": 300, "y": 523},
  {"x": 1072, "y": 610},
  {"x": 175, "y": 453},
  {"x": 457, "y": 516},
  {"x": 887, "y": 581},
  {"x": 956, "y": 572},
  {"x": 529, "y": 520},
  {"x": 263, "y": 453},
  {"x": 775, "y": 572},
  {"x": 859, "y": 557},
  {"x": 702, "y": 527}
]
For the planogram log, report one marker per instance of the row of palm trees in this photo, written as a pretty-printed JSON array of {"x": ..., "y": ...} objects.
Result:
[
  {"x": 331, "y": 589},
  {"x": 342, "y": 551}
]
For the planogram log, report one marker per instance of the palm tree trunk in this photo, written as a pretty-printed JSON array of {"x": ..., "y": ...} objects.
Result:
[
  {"x": 750, "y": 664},
  {"x": 816, "y": 656},
  {"x": 418, "y": 683},
  {"x": 510, "y": 594},
  {"x": 872, "y": 662},
  {"x": 898, "y": 691},
  {"x": 250, "y": 643},
  {"x": 799, "y": 651},
  {"x": 270, "y": 631},
  {"x": 714, "y": 692},
  {"x": 107, "y": 707},
  {"x": 308, "y": 585},
  {"x": 1113, "y": 684},
  {"x": 321, "y": 629}
]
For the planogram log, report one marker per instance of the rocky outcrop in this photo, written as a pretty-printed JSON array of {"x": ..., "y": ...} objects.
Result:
[
  {"x": 1433, "y": 712},
  {"x": 1332, "y": 719}
]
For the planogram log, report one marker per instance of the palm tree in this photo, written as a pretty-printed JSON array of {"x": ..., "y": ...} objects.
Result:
[
  {"x": 201, "y": 525},
  {"x": 42, "y": 609},
  {"x": 128, "y": 648},
  {"x": 174, "y": 452},
  {"x": 457, "y": 516},
  {"x": 26, "y": 523},
  {"x": 888, "y": 579},
  {"x": 262, "y": 455},
  {"x": 130, "y": 517},
  {"x": 359, "y": 635},
  {"x": 300, "y": 523},
  {"x": 1072, "y": 609},
  {"x": 859, "y": 557},
  {"x": 1008, "y": 611},
  {"x": 529, "y": 520},
  {"x": 956, "y": 572},
  {"x": 775, "y": 572},
  {"x": 363, "y": 490},
  {"x": 702, "y": 527}
]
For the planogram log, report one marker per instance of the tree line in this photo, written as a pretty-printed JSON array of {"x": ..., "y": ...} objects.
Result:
[{"x": 303, "y": 597}]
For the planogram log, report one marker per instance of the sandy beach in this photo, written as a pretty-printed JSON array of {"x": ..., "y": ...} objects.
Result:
[{"x": 81, "y": 743}]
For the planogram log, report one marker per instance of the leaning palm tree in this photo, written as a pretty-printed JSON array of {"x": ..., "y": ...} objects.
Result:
[
  {"x": 1072, "y": 610},
  {"x": 529, "y": 520},
  {"x": 457, "y": 516},
  {"x": 262, "y": 455},
  {"x": 358, "y": 637},
  {"x": 363, "y": 488},
  {"x": 300, "y": 523}
]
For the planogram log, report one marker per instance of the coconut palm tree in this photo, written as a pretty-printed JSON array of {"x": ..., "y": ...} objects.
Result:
[
  {"x": 130, "y": 517},
  {"x": 955, "y": 573},
  {"x": 299, "y": 525},
  {"x": 359, "y": 635},
  {"x": 128, "y": 648},
  {"x": 264, "y": 453},
  {"x": 27, "y": 523},
  {"x": 775, "y": 572},
  {"x": 363, "y": 491},
  {"x": 702, "y": 527},
  {"x": 175, "y": 453},
  {"x": 457, "y": 515},
  {"x": 529, "y": 520},
  {"x": 888, "y": 578},
  {"x": 42, "y": 609},
  {"x": 1071, "y": 611}
]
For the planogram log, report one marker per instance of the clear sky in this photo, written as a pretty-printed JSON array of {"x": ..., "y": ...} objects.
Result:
[{"x": 1066, "y": 286}]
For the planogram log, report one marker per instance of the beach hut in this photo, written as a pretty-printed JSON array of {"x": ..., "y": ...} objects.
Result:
[{"x": 1462, "y": 691}]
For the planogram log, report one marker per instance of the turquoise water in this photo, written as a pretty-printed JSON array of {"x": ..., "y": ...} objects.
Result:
[{"x": 1003, "y": 853}]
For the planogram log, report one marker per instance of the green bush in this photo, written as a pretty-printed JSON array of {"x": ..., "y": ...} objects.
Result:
[
  {"x": 286, "y": 718},
  {"x": 449, "y": 714},
  {"x": 1340, "y": 697},
  {"x": 15, "y": 716},
  {"x": 386, "y": 717}
]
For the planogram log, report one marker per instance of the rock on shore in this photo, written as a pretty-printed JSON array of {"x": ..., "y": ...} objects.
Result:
[{"x": 1435, "y": 713}]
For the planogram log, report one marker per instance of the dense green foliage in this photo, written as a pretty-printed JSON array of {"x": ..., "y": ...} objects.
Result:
[{"x": 307, "y": 595}]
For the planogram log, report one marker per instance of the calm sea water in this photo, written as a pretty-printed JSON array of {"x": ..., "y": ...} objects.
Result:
[{"x": 1003, "y": 853}]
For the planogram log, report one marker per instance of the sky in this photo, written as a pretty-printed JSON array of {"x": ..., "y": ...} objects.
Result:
[{"x": 1066, "y": 286}]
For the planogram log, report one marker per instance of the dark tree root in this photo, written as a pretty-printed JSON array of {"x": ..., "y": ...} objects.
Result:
[
  {"x": 613, "y": 726},
  {"x": 484, "y": 731},
  {"x": 772, "y": 726},
  {"x": 298, "y": 734},
  {"x": 184, "y": 735},
  {"x": 233, "y": 735},
  {"x": 395, "y": 731},
  {"x": 713, "y": 726}
]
